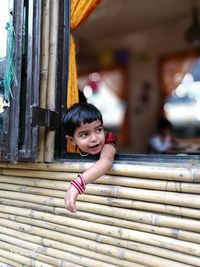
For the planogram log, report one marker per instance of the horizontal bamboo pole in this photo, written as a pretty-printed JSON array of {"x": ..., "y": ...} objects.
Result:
[
  {"x": 108, "y": 179},
  {"x": 124, "y": 203},
  {"x": 76, "y": 241},
  {"x": 163, "y": 231},
  {"x": 110, "y": 201},
  {"x": 25, "y": 256},
  {"x": 17, "y": 254},
  {"x": 100, "y": 247},
  {"x": 51, "y": 184},
  {"x": 170, "y": 232},
  {"x": 21, "y": 260},
  {"x": 27, "y": 205},
  {"x": 4, "y": 262},
  {"x": 186, "y": 200},
  {"x": 15, "y": 257},
  {"x": 76, "y": 162},
  {"x": 113, "y": 231},
  {"x": 138, "y": 182},
  {"x": 177, "y": 199},
  {"x": 189, "y": 173},
  {"x": 48, "y": 246},
  {"x": 52, "y": 247},
  {"x": 33, "y": 190},
  {"x": 145, "y": 221},
  {"x": 140, "y": 216},
  {"x": 56, "y": 255},
  {"x": 34, "y": 252},
  {"x": 98, "y": 237}
]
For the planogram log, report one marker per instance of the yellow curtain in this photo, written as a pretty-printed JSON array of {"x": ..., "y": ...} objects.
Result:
[{"x": 79, "y": 11}]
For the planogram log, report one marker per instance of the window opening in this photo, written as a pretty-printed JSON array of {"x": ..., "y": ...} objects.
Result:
[{"x": 181, "y": 85}]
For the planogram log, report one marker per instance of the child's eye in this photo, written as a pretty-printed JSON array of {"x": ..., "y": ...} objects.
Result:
[
  {"x": 84, "y": 135},
  {"x": 100, "y": 129}
]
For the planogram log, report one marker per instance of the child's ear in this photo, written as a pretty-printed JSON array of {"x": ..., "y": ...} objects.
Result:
[{"x": 70, "y": 139}]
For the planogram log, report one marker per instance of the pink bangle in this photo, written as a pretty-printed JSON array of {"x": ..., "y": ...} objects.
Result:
[
  {"x": 77, "y": 186},
  {"x": 80, "y": 187},
  {"x": 82, "y": 181}
]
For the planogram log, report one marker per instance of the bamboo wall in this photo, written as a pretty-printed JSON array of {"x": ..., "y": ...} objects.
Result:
[{"x": 140, "y": 214}]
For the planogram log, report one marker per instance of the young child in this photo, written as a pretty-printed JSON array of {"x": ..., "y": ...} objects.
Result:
[
  {"x": 83, "y": 125},
  {"x": 163, "y": 142}
]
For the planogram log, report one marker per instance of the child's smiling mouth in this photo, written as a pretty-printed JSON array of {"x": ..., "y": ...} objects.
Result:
[{"x": 95, "y": 147}]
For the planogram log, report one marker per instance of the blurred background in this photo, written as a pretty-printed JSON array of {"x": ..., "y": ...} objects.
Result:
[{"x": 139, "y": 60}]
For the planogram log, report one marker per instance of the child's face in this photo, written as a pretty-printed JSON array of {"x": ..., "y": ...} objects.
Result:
[
  {"x": 90, "y": 137},
  {"x": 166, "y": 132}
]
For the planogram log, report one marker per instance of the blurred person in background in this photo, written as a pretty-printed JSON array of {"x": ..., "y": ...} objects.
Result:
[{"x": 163, "y": 141}]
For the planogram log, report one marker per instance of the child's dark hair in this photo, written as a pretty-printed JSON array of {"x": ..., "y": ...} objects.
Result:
[
  {"x": 163, "y": 123},
  {"x": 77, "y": 114}
]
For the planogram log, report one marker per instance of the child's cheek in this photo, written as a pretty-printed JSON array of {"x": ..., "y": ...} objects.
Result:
[{"x": 103, "y": 142}]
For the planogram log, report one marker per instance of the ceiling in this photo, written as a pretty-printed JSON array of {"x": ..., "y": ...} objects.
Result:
[{"x": 114, "y": 18}]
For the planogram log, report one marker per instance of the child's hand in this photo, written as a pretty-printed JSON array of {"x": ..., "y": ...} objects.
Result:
[{"x": 70, "y": 199}]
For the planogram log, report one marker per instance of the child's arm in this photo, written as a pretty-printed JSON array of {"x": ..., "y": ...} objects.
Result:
[{"x": 99, "y": 168}]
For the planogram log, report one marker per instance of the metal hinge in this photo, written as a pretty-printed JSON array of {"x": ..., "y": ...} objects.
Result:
[{"x": 44, "y": 117}]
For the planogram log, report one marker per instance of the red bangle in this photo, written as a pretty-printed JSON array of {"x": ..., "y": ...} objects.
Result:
[
  {"x": 82, "y": 181},
  {"x": 80, "y": 187},
  {"x": 77, "y": 186}
]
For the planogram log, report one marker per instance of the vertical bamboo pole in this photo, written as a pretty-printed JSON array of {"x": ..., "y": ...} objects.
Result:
[
  {"x": 44, "y": 71},
  {"x": 51, "y": 99}
]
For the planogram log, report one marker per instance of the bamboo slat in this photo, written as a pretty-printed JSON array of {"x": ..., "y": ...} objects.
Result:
[
  {"x": 21, "y": 260},
  {"x": 54, "y": 256},
  {"x": 44, "y": 65},
  {"x": 100, "y": 238},
  {"x": 4, "y": 262},
  {"x": 84, "y": 243},
  {"x": 158, "y": 196},
  {"x": 15, "y": 254},
  {"x": 145, "y": 221},
  {"x": 140, "y": 216},
  {"x": 113, "y": 251},
  {"x": 128, "y": 234},
  {"x": 186, "y": 173},
  {"x": 51, "y": 87},
  {"x": 51, "y": 247},
  {"x": 110, "y": 201},
  {"x": 33, "y": 252},
  {"x": 170, "y": 232},
  {"x": 173, "y": 186},
  {"x": 137, "y": 215},
  {"x": 29, "y": 257}
]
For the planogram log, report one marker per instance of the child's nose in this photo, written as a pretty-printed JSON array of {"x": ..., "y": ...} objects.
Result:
[{"x": 93, "y": 137}]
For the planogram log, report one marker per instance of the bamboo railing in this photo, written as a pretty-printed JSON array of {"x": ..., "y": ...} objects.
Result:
[{"x": 144, "y": 214}]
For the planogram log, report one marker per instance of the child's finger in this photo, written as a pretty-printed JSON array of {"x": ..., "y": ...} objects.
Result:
[
  {"x": 73, "y": 206},
  {"x": 70, "y": 199}
]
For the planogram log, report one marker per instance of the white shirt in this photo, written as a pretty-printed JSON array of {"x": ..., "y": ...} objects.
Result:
[{"x": 158, "y": 144}]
